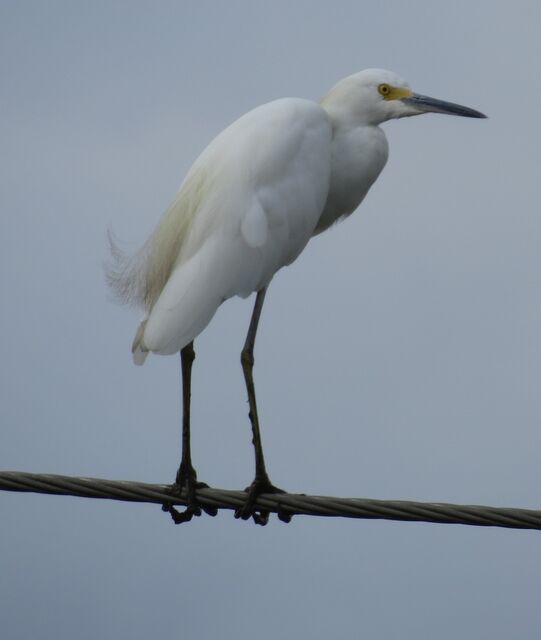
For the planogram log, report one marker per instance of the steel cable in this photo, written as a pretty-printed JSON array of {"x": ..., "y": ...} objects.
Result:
[{"x": 290, "y": 504}]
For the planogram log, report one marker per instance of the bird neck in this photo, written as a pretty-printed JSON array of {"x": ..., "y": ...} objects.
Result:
[{"x": 358, "y": 155}]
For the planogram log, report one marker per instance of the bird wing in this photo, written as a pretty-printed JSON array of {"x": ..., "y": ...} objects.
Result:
[{"x": 262, "y": 185}]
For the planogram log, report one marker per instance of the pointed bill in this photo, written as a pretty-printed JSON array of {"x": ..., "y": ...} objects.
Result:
[{"x": 425, "y": 104}]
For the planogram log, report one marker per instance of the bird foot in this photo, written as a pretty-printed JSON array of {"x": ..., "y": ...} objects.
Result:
[
  {"x": 260, "y": 516},
  {"x": 187, "y": 479}
]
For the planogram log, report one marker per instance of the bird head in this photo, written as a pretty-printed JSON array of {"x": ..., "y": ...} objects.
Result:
[{"x": 373, "y": 96}]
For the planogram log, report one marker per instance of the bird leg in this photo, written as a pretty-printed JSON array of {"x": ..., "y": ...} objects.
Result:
[
  {"x": 186, "y": 475},
  {"x": 261, "y": 483}
]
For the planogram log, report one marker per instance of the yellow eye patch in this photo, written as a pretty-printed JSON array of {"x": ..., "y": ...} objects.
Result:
[{"x": 393, "y": 93}]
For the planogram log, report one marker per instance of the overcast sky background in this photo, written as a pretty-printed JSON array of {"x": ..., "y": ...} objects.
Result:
[{"x": 399, "y": 357}]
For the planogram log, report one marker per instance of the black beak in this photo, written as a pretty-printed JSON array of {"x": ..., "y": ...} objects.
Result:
[{"x": 426, "y": 104}]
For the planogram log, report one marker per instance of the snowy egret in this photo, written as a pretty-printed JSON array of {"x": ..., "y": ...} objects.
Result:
[{"x": 263, "y": 187}]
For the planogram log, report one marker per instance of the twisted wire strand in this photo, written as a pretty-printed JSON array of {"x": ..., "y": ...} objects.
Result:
[{"x": 291, "y": 504}]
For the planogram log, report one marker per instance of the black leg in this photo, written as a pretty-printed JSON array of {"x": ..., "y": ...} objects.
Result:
[
  {"x": 186, "y": 475},
  {"x": 261, "y": 483}
]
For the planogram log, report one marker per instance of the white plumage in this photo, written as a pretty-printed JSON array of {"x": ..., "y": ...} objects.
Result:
[
  {"x": 253, "y": 199},
  {"x": 280, "y": 174}
]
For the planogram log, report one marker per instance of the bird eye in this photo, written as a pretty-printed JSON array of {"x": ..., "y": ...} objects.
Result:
[{"x": 384, "y": 89}]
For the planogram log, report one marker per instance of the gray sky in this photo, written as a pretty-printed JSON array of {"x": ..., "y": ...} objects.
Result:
[{"x": 399, "y": 357}]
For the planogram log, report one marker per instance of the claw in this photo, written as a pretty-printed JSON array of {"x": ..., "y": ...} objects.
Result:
[
  {"x": 180, "y": 516},
  {"x": 261, "y": 517},
  {"x": 187, "y": 478},
  {"x": 248, "y": 510},
  {"x": 284, "y": 516}
]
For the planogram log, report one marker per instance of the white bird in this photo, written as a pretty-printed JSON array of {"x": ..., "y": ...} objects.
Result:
[{"x": 279, "y": 175}]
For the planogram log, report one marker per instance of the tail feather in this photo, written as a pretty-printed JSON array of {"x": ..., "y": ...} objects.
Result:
[
  {"x": 188, "y": 301},
  {"x": 138, "y": 349}
]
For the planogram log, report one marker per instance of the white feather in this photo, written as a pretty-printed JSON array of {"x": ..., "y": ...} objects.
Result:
[
  {"x": 248, "y": 207},
  {"x": 254, "y": 226},
  {"x": 237, "y": 219}
]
